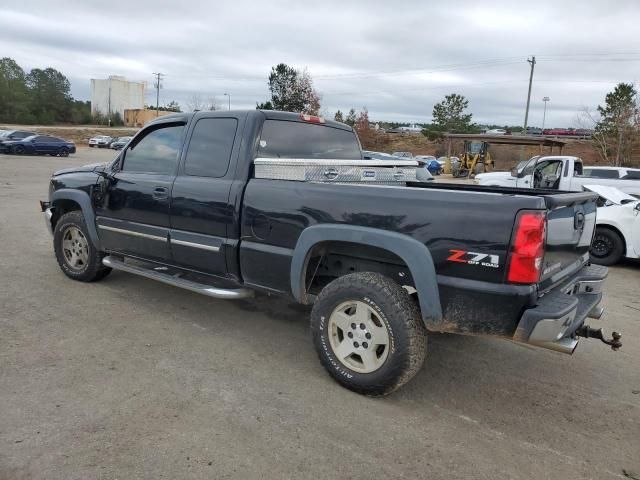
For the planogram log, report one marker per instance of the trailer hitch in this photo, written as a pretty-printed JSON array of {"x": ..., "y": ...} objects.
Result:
[{"x": 587, "y": 332}]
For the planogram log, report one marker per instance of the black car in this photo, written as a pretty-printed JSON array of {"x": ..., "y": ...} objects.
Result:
[{"x": 39, "y": 145}]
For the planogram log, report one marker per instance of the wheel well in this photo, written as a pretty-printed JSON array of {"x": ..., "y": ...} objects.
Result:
[
  {"x": 617, "y": 232},
  {"x": 61, "y": 207},
  {"x": 329, "y": 260}
]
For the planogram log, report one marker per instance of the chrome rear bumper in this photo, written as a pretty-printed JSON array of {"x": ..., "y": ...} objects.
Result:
[{"x": 553, "y": 322}]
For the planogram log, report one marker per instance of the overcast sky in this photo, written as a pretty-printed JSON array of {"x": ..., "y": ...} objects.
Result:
[{"x": 396, "y": 58}]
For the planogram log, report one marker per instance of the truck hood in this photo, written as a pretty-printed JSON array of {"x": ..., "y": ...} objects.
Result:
[
  {"x": 85, "y": 168},
  {"x": 611, "y": 194}
]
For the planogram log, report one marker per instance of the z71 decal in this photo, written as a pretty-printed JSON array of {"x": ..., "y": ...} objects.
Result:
[{"x": 474, "y": 258}]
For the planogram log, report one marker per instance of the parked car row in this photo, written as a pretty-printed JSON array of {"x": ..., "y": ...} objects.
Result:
[
  {"x": 19, "y": 142},
  {"x": 105, "y": 141},
  {"x": 576, "y": 132}
]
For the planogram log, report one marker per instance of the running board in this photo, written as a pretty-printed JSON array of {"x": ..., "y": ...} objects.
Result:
[{"x": 204, "y": 289}]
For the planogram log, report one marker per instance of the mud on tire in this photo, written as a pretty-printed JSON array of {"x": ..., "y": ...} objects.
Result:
[
  {"x": 89, "y": 270},
  {"x": 390, "y": 305}
]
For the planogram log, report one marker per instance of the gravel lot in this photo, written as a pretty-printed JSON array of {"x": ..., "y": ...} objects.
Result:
[{"x": 128, "y": 378}]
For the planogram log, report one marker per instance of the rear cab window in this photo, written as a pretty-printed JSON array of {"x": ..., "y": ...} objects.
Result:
[
  {"x": 601, "y": 173},
  {"x": 209, "y": 151},
  {"x": 288, "y": 139}
]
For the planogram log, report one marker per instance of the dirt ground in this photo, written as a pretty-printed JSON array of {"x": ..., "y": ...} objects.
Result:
[{"x": 128, "y": 378}]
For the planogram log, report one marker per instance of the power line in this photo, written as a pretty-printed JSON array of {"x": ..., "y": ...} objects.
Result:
[{"x": 495, "y": 62}]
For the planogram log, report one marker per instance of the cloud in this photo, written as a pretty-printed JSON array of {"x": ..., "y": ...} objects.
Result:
[{"x": 396, "y": 58}]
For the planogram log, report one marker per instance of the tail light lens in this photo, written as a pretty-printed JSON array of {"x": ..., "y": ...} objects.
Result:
[{"x": 527, "y": 250}]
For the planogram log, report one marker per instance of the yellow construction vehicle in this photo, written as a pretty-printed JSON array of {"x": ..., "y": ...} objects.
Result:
[{"x": 475, "y": 159}]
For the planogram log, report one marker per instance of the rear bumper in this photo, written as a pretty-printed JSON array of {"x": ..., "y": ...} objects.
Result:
[{"x": 553, "y": 321}]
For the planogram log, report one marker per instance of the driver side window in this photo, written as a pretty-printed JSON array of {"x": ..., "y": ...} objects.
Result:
[{"x": 157, "y": 153}]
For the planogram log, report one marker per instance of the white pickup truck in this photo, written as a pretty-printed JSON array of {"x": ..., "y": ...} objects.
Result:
[{"x": 553, "y": 172}]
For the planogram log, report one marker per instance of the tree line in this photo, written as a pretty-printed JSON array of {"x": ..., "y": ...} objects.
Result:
[{"x": 40, "y": 96}]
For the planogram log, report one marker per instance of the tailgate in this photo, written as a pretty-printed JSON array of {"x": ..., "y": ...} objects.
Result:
[{"x": 571, "y": 220}]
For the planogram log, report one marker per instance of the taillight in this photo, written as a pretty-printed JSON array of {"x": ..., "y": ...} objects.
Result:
[
  {"x": 311, "y": 118},
  {"x": 527, "y": 249}
]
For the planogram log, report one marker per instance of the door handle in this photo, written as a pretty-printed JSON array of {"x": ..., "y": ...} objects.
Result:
[{"x": 160, "y": 192}]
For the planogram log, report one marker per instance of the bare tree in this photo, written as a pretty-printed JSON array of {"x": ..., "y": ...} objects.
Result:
[
  {"x": 589, "y": 119},
  {"x": 212, "y": 105},
  {"x": 195, "y": 103}
]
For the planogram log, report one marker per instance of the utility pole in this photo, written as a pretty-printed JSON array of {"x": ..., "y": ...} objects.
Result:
[
  {"x": 544, "y": 115},
  {"x": 226, "y": 94},
  {"x": 109, "y": 106},
  {"x": 532, "y": 62},
  {"x": 158, "y": 87}
]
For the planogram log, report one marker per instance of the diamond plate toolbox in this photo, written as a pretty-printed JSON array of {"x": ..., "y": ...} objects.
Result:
[{"x": 336, "y": 171}]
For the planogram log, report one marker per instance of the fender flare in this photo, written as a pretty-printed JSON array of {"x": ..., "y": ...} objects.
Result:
[
  {"x": 405, "y": 247},
  {"x": 82, "y": 199}
]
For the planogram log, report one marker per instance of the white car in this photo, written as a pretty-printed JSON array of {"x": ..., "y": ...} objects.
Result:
[
  {"x": 617, "y": 232},
  {"x": 612, "y": 172},
  {"x": 402, "y": 154},
  {"x": 496, "y": 131},
  {"x": 100, "y": 141}
]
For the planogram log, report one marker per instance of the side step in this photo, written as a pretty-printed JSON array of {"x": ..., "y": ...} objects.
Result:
[{"x": 204, "y": 289}]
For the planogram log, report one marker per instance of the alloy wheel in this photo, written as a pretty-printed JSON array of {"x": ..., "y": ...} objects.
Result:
[
  {"x": 358, "y": 337},
  {"x": 75, "y": 248}
]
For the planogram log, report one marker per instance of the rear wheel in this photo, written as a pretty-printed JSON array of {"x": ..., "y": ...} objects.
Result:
[
  {"x": 368, "y": 333},
  {"x": 607, "y": 247},
  {"x": 18, "y": 149},
  {"x": 77, "y": 256}
]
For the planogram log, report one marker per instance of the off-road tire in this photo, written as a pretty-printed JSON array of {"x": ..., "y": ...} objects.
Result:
[
  {"x": 400, "y": 314},
  {"x": 614, "y": 246},
  {"x": 93, "y": 270}
]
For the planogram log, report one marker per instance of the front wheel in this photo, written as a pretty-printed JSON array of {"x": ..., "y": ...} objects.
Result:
[
  {"x": 63, "y": 152},
  {"x": 18, "y": 149},
  {"x": 607, "y": 247},
  {"x": 76, "y": 254},
  {"x": 368, "y": 333}
]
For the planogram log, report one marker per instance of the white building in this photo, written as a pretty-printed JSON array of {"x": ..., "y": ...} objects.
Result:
[{"x": 116, "y": 94}]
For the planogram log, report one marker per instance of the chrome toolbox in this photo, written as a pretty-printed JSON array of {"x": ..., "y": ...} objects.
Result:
[{"x": 337, "y": 171}]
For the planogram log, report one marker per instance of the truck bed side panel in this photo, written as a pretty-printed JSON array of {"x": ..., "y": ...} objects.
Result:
[{"x": 467, "y": 232}]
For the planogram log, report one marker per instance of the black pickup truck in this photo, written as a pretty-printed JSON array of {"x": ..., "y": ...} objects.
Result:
[{"x": 229, "y": 203}]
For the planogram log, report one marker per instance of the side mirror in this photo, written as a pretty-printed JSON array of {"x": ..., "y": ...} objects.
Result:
[
  {"x": 637, "y": 207},
  {"x": 514, "y": 172}
]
